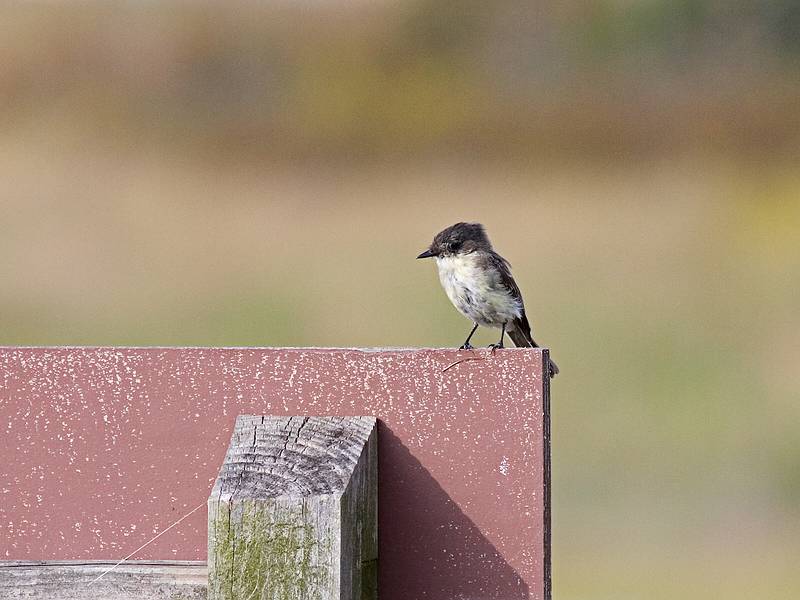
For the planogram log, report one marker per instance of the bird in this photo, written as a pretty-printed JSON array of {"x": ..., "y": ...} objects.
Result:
[{"x": 478, "y": 282}]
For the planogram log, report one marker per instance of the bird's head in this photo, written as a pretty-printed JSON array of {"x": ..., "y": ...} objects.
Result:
[{"x": 458, "y": 239}]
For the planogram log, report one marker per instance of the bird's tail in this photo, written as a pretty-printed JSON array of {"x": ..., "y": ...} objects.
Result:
[{"x": 522, "y": 338}]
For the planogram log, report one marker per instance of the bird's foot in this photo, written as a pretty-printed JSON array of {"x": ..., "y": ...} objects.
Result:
[
  {"x": 466, "y": 346},
  {"x": 494, "y": 347}
]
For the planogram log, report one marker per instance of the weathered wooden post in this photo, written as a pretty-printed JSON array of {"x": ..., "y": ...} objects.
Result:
[{"x": 293, "y": 512}]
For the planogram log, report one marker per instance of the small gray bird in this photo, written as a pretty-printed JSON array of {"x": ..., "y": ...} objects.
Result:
[{"x": 478, "y": 282}]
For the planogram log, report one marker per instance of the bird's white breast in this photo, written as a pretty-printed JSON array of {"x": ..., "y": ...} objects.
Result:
[{"x": 476, "y": 291}]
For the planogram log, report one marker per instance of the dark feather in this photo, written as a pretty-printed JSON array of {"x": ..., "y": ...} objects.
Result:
[
  {"x": 503, "y": 267},
  {"x": 522, "y": 338}
]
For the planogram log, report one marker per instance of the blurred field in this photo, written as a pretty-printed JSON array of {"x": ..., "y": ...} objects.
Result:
[{"x": 266, "y": 176}]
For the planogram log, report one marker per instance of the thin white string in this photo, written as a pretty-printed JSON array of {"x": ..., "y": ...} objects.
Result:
[{"x": 148, "y": 542}]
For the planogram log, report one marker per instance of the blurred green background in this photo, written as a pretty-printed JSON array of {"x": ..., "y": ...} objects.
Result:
[{"x": 246, "y": 173}]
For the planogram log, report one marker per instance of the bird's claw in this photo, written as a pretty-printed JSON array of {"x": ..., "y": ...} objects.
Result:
[
  {"x": 495, "y": 347},
  {"x": 466, "y": 346}
]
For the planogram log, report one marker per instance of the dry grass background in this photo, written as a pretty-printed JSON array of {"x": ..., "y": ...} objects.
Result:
[{"x": 141, "y": 206}]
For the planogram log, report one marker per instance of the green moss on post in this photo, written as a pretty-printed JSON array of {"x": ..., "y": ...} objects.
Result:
[{"x": 267, "y": 553}]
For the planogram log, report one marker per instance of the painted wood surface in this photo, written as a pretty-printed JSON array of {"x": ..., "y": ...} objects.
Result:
[
  {"x": 103, "y": 448},
  {"x": 293, "y": 512},
  {"x": 75, "y": 580}
]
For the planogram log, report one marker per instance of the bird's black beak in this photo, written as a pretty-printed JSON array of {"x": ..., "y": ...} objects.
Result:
[{"x": 426, "y": 254}]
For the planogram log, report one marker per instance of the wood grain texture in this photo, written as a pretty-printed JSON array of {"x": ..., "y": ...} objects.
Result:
[
  {"x": 72, "y": 580},
  {"x": 293, "y": 512}
]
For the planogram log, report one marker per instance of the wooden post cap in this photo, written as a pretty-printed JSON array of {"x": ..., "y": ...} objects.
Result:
[{"x": 293, "y": 512}]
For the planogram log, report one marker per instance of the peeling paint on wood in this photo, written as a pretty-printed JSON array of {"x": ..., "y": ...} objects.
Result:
[{"x": 105, "y": 447}]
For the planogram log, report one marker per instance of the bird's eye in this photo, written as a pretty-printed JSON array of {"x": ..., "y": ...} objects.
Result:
[{"x": 453, "y": 246}]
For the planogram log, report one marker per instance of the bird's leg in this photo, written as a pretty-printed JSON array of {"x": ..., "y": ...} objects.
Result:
[
  {"x": 500, "y": 343},
  {"x": 466, "y": 345}
]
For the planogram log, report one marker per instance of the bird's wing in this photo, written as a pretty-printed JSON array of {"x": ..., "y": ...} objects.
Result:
[
  {"x": 503, "y": 267},
  {"x": 520, "y": 330}
]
